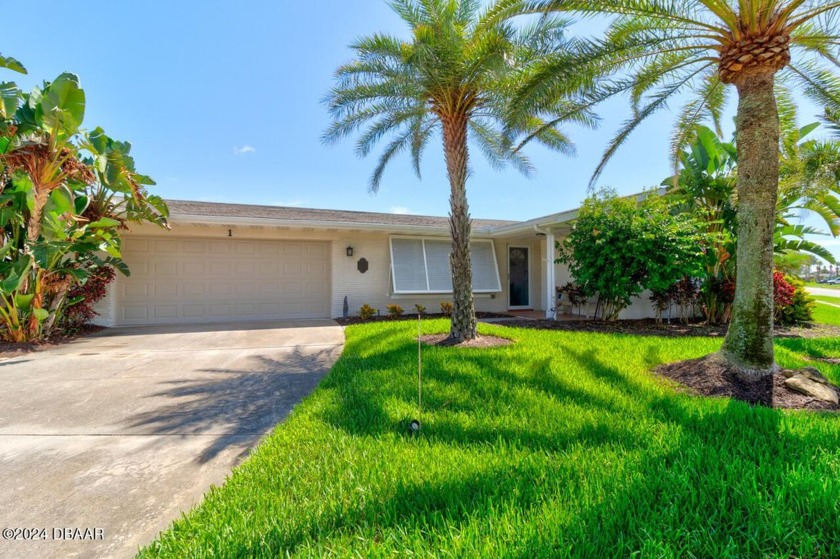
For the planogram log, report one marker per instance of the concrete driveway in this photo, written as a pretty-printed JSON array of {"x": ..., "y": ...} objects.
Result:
[{"x": 119, "y": 432}]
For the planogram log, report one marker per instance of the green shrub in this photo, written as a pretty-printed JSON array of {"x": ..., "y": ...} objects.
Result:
[
  {"x": 420, "y": 309},
  {"x": 446, "y": 308},
  {"x": 367, "y": 311},
  {"x": 395, "y": 310},
  {"x": 619, "y": 247}
]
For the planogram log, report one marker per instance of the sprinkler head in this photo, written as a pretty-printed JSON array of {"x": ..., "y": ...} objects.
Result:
[{"x": 414, "y": 427}]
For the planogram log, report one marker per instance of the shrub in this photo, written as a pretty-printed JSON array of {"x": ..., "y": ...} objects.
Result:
[
  {"x": 394, "y": 311},
  {"x": 717, "y": 296},
  {"x": 420, "y": 309},
  {"x": 574, "y": 295},
  {"x": 82, "y": 299},
  {"x": 446, "y": 308},
  {"x": 619, "y": 247},
  {"x": 792, "y": 304},
  {"x": 367, "y": 312}
]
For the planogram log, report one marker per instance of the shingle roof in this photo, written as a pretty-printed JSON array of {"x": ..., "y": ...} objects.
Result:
[{"x": 216, "y": 209}]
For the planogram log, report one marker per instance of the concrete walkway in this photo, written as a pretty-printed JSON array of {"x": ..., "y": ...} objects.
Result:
[
  {"x": 119, "y": 432},
  {"x": 823, "y": 291}
]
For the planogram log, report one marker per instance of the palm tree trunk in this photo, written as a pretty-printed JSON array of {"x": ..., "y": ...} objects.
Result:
[
  {"x": 460, "y": 225},
  {"x": 749, "y": 340}
]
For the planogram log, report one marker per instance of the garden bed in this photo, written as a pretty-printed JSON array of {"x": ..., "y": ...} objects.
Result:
[
  {"x": 11, "y": 349},
  {"x": 712, "y": 377},
  {"x": 649, "y": 327},
  {"x": 410, "y": 316}
]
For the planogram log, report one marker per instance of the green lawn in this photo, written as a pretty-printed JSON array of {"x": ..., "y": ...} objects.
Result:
[
  {"x": 823, "y": 285},
  {"x": 826, "y": 314},
  {"x": 561, "y": 445}
]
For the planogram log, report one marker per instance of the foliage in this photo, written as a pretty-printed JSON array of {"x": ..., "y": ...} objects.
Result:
[
  {"x": 446, "y": 308},
  {"x": 684, "y": 294},
  {"x": 81, "y": 299},
  {"x": 419, "y": 309},
  {"x": 619, "y": 247},
  {"x": 366, "y": 312},
  {"x": 395, "y": 310},
  {"x": 573, "y": 293},
  {"x": 792, "y": 304},
  {"x": 451, "y": 79},
  {"x": 560, "y": 445},
  {"x": 65, "y": 197},
  {"x": 693, "y": 52},
  {"x": 705, "y": 187},
  {"x": 682, "y": 51}
]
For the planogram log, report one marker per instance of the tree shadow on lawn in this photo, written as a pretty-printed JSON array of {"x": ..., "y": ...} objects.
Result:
[
  {"x": 704, "y": 477},
  {"x": 236, "y": 407}
]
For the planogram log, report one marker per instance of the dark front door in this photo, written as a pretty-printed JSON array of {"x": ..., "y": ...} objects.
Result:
[{"x": 518, "y": 291}]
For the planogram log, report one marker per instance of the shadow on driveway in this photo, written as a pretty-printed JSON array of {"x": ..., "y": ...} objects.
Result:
[{"x": 236, "y": 406}]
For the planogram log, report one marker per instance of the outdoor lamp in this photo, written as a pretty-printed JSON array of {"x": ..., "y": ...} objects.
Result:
[{"x": 349, "y": 251}]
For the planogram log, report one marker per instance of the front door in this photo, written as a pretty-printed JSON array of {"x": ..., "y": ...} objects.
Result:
[{"x": 519, "y": 289}]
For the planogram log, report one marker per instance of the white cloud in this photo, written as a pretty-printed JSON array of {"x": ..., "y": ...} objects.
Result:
[
  {"x": 243, "y": 150},
  {"x": 399, "y": 210},
  {"x": 290, "y": 204}
]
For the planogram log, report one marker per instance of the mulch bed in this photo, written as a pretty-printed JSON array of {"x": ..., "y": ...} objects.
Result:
[
  {"x": 481, "y": 341},
  {"x": 649, "y": 327},
  {"x": 410, "y": 316},
  {"x": 708, "y": 376},
  {"x": 9, "y": 349}
]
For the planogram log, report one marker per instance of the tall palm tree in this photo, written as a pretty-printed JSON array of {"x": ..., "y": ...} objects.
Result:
[
  {"x": 453, "y": 77},
  {"x": 671, "y": 48}
]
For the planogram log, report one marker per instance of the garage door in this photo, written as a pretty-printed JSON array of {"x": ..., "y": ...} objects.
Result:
[{"x": 204, "y": 280}]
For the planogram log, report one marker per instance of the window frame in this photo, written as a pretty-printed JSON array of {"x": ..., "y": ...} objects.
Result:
[{"x": 429, "y": 291}]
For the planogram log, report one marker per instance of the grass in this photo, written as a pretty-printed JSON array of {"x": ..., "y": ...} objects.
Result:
[
  {"x": 561, "y": 445},
  {"x": 826, "y": 314},
  {"x": 823, "y": 285}
]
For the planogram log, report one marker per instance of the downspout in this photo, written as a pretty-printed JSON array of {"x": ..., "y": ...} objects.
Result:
[{"x": 550, "y": 288}]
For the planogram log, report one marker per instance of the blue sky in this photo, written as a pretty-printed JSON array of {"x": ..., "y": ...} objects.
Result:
[{"x": 222, "y": 102}]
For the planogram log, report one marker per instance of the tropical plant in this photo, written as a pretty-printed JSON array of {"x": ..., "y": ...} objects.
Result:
[
  {"x": 665, "y": 49},
  {"x": 453, "y": 76},
  {"x": 54, "y": 234},
  {"x": 366, "y": 312},
  {"x": 395, "y": 311},
  {"x": 619, "y": 247},
  {"x": 419, "y": 309},
  {"x": 798, "y": 306},
  {"x": 705, "y": 186}
]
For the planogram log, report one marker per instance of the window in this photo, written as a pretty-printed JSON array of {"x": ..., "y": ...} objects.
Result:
[{"x": 422, "y": 266}]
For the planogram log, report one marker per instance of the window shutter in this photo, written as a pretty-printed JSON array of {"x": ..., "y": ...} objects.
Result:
[
  {"x": 408, "y": 266},
  {"x": 422, "y": 266},
  {"x": 437, "y": 265},
  {"x": 485, "y": 272}
]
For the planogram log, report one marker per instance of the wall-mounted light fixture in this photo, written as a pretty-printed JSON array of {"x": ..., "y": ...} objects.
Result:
[
  {"x": 230, "y": 232},
  {"x": 349, "y": 251}
]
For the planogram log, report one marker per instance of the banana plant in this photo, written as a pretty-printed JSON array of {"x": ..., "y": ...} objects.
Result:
[{"x": 65, "y": 196}]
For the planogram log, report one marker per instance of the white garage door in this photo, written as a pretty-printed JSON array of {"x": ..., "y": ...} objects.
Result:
[{"x": 204, "y": 280}]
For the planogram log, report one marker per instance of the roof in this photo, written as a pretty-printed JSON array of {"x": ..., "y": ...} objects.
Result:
[{"x": 183, "y": 210}]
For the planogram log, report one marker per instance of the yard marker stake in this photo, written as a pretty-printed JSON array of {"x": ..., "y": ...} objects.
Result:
[{"x": 415, "y": 423}]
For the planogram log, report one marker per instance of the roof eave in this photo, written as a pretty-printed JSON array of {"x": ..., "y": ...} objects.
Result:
[{"x": 312, "y": 224}]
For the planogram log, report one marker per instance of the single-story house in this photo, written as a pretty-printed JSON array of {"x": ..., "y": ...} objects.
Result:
[{"x": 237, "y": 262}]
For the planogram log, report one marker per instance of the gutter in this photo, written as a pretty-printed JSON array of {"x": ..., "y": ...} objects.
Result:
[{"x": 315, "y": 224}]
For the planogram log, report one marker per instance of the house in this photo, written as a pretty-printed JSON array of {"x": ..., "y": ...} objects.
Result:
[{"x": 237, "y": 262}]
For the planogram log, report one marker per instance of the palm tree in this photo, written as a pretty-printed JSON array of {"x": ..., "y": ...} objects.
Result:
[
  {"x": 453, "y": 77},
  {"x": 698, "y": 48}
]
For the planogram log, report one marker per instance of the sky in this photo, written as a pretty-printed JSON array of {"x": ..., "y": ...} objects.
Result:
[{"x": 223, "y": 101}]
